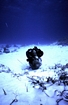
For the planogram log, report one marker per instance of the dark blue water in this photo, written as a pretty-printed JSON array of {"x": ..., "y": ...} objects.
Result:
[{"x": 33, "y": 21}]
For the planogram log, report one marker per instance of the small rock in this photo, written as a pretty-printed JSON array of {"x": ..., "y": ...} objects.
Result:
[{"x": 6, "y": 50}]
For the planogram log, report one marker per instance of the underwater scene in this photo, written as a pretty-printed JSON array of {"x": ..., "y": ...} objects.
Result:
[{"x": 33, "y": 52}]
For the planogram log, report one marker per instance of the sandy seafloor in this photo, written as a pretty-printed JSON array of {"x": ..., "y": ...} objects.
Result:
[{"x": 16, "y": 87}]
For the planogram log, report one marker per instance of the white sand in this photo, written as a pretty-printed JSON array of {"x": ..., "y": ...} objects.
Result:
[{"x": 20, "y": 87}]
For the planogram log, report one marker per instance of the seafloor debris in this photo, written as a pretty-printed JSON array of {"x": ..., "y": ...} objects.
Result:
[
  {"x": 4, "y": 68},
  {"x": 61, "y": 80},
  {"x": 4, "y": 92},
  {"x": 36, "y": 82},
  {"x": 63, "y": 96},
  {"x": 14, "y": 100},
  {"x": 43, "y": 85},
  {"x": 63, "y": 42},
  {"x": 6, "y": 48}
]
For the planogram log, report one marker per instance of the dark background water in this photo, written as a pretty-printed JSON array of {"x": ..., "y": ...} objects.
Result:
[{"x": 33, "y": 21}]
